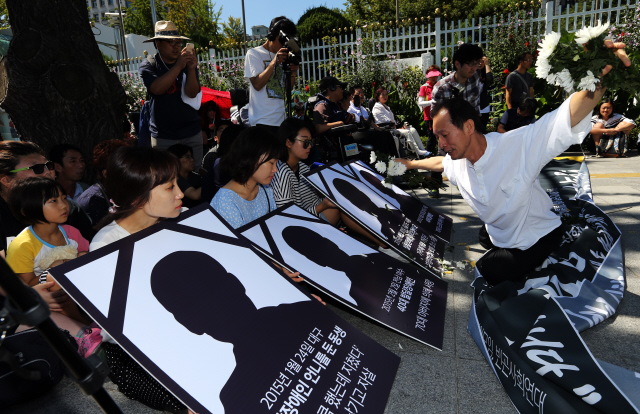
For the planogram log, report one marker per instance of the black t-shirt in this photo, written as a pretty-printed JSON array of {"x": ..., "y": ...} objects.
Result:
[
  {"x": 519, "y": 85},
  {"x": 171, "y": 118},
  {"x": 193, "y": 180},
  {"x": 511, "y": 120}
]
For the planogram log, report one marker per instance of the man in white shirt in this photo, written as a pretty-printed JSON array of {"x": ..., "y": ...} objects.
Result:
[
  {"x": 497, "y": 175},
  {"x": 263, "y": 70}
]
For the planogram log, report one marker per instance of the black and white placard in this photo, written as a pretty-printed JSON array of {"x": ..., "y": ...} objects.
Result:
[
  {"x": 396, "y": 294},
  {"x": 222, "y": 328},
  {"x": 379, "y": 215}
]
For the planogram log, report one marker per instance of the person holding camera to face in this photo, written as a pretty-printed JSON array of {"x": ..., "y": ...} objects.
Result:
[
  {"x": 264, "y": 70},
  {"x": 171, "y": 79}
]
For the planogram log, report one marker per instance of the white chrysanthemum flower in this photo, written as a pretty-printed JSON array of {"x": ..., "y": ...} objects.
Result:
[
  {"x": 548, "y": 45},
  {"x": 565, "y": 80},
  {"x": 588, "y": 82},
  {"x": 542, "y": 68},
  {"x": 590, "y": 32},
  {"x": 373, "y": 158},
  {"x": 395, "y": 169},
  {"x": 386, "y": 184},
  {"x": 381, "y": 167},
  {"x": 461, "y": 265},
  {"x": 552, "y": 78}
]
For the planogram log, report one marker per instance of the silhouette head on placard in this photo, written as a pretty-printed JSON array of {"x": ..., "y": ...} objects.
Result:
[
  {"x": 375, "y": 182},
  {"x": 354, "y": 195},
  {"x": 316, "y": 248},
  {"x": 186, "y": 282}
]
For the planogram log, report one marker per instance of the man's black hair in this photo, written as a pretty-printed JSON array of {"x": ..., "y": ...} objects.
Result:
[
  {"x": 281, "y": 23},
  {"x": 299, "y": 106},
  {"x": 467, "y": 53},
  {"x": 460, "y": 112},
  {"x": 523, "y": 56},
  {"x": 57, "y": 152},
  {"x": 529, "y": 104}
]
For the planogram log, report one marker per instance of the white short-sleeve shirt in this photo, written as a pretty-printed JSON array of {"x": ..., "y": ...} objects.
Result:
[
  {"x": 266, "y": 106},
  {"x": 502, "y": 187}
]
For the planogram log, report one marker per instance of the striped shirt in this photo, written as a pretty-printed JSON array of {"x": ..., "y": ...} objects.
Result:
[
  {"x": 287, "y": 187},
  {"x": 448, "y": 87}
]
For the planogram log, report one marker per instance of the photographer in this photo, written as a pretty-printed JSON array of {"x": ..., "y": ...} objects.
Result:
[{"x": 265, "y": 73}]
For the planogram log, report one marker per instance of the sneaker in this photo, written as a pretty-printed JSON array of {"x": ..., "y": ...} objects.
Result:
[
  {"x": 433, "y": 193},
  {"x": 88, "y": 341},
  {"x": 393, "y": 254}
]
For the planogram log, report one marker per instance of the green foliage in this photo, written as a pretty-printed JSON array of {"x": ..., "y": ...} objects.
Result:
[
  {"x": 319, "y": 20},
  {"x": 106, "y": 58},
  {"x": 223, "y": 77},
  {"x": 195, "y": 19},
  {"x": 628, "y": 30},
  {"x": 135, "y": 90},
  {"x": 233, "y": 30},
  {"x": 511, "y": 38},
  {"x": 4, "y": 15}
]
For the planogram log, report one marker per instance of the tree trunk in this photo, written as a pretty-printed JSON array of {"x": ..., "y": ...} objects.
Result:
[{"x": 54, "y": 82}]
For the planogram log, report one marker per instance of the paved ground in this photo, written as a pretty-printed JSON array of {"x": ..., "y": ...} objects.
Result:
[{"x": 458, "y": 379}]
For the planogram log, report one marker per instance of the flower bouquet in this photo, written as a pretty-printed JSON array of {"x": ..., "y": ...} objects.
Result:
[
  {"x": 385, "y": 165},
  {"x": 574, "y": 61}
]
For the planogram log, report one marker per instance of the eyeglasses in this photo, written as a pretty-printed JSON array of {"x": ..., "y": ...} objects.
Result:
[
  {"x": 173, "y": 42},
  {"x": 306, "y": 143},
  {"x": 476, "y": 64},
  {"x": 37, "y": 168}
]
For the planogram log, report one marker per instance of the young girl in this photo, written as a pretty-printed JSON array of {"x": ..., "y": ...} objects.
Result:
[
  {"x": 143, "y": 185},
  {"x": 251, "y": 164},
  {"x": 288, "y": 185},
  {"x": 47, "y": 242}
]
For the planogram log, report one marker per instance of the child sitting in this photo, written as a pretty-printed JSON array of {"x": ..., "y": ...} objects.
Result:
[{"x": 47, "y": 242}]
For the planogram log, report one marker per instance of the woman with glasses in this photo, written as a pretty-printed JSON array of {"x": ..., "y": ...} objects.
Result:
[
  {"x": 18, "y": 161},
  {"x": 289, "y": 185},
  {"x": 190, "y": 182},
  {"x": 382, "y": 115}
]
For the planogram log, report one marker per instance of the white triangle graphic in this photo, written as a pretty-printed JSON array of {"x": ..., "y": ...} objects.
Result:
[
  {"x": 95, "y": 280},
  {"x": 297, "y": 211},
  {"x": 207, "y": 221},
  {"x": 256, "y": 235}
]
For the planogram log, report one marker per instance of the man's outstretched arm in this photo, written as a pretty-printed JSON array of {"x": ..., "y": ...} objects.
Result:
[
  {"x": 431, "y": 164},
  {"x": 583, "y": 102}
]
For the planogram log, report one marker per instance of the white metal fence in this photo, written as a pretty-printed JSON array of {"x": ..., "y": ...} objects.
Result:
[{"x": 437, "y": 38}]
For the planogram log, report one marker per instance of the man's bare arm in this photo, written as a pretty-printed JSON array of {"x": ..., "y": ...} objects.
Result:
[
  {"x": 507, "y": 94},
  {"x": 431, "y": 164}
]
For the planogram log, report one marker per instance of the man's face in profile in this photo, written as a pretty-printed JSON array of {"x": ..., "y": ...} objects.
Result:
[{"x": 453, "y": 141}]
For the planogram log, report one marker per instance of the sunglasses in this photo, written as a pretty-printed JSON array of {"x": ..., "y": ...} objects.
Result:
[
  {"x": 306, "y": 143},
  {"x": 37, "y": 168}
]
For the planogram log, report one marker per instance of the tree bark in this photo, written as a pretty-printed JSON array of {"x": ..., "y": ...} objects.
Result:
[{"x": 54, "y": 82}]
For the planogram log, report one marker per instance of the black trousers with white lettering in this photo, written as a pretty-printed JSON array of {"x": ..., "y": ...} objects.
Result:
[{"x": 500, "y": 264}]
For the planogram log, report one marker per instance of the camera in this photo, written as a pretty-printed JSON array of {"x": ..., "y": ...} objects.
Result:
[{"x": 291, "y": 44}]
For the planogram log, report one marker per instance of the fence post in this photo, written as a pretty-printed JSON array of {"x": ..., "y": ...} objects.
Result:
[
  {"x": 548, "y": 18},
  {"x": 438, "y": 51}
]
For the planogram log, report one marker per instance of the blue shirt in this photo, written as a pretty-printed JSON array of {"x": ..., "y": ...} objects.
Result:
[{"x": 237, "y": 211}]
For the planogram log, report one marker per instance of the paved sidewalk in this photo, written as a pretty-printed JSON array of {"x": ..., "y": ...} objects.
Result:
[{"x": 458, "y": 379}]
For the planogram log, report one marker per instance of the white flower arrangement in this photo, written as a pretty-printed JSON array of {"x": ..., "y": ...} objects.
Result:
[
  {"x": 380, "y": 166},
  {"x": 395, "y": 169},
  {"x": 372, "y": 157},
  {"x": 562, "y": 59}
]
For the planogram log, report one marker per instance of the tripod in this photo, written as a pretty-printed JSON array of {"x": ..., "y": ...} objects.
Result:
[
  {"x": 25, "y": 306},
  {"x": 288, "y": 108}
]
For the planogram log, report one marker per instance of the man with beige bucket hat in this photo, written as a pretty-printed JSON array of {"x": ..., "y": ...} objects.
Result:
[{"x": 171, "y": 78}]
